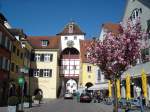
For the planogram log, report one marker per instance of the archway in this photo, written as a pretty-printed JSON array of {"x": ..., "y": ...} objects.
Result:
[
  {"x": 71, "y": 86},
  {"x": 88, "y": 84}
]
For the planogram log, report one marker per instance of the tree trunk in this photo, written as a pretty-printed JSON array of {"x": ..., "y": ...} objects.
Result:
[{"x": 115, "y": 95}]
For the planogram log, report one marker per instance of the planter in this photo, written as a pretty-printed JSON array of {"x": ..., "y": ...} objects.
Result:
[
  {"x": 36, "y": 102},
  {"x": 11, "y": 108},
  {"x": 26, "y": 104}
]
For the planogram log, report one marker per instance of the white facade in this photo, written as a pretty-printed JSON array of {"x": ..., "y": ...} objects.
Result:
[
  {"x": 75, "y": 38},
  {"x": 101, "y": 37},
  {"x": 143, "y": 12}
]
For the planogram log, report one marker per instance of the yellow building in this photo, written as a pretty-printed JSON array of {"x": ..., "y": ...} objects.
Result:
[
  {"x": 16, "y": 56},
  {"x": 20, "y": 59},
  {"x": 44, "y": 65},
  {"x": 88, "y": 72}
]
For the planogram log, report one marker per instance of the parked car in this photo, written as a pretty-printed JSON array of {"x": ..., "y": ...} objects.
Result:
[
  {"x": 68, "y": 96},
  {"x": 84, "y": 97}
]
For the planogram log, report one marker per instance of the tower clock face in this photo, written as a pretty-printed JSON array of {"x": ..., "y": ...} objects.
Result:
[{"x": 70, "y": 43}]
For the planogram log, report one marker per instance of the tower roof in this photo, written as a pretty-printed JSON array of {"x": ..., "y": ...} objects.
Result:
[{"x": 71, "y": 29}]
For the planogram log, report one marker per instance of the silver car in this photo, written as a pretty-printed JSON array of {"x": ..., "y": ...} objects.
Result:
[{"x": 68, "y": 96}]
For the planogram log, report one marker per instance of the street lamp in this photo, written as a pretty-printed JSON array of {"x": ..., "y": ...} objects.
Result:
[{"x": 21, "y": 81}]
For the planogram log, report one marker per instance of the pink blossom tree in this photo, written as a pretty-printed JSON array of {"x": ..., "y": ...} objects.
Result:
[{"x": 117, "y": 52}]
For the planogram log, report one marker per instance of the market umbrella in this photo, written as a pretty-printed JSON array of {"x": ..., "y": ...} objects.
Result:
[
  {"x": 128, "y": 91},
  {"x": 144, "y": 83},
  {"x": 109, "y": 88},
  {"x": 118, "y": 89}
]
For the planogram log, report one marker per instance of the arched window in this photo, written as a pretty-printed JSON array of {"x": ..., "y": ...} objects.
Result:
[{"x": 135, "y": 13}]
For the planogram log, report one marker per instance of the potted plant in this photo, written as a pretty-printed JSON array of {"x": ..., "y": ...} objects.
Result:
[
  {"x": 38, "y": 98},
  {"x": 12, "y": 103},
  {"x": 26, "y": 100}
]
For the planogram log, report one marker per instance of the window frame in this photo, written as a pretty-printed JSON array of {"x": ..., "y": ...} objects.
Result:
[{"x": 44, "y": 43}]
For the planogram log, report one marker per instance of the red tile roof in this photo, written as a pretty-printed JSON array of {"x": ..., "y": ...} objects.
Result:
[
  {"x": 36, "y": 42},
  {"x": 76, "y": 30},
  {"x": 84, "y": 44},
  {"x": 112, "y": 27}
]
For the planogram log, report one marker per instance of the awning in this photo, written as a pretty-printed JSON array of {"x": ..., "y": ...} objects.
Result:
[
  {"x": 102, "y": 86},
  {"x": 135, "y": 71}
]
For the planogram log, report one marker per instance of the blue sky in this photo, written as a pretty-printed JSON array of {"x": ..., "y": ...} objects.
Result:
[{"x": 48, "y": 17}]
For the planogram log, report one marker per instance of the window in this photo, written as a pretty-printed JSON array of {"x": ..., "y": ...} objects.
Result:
[
  {"x": 89, "y": 68},
  {"x": 47, "y": 73},
  {"x": 51, "y": 57},
  {"x": 17, "y": 52},
  {"x": 17, "y": 69},
  {"x": 21, "y": 55},
  {"x": 74, "y": 67},
  {"x": 41, "y": 57},
  {"x": 46, "y": 57},
  {"x": 75, "y": 37},
  {"x": 99, "y": 75},
  {"x": 12, "y": 66},
  {"x": 6, "y": 64},
  {"x": 37, "y": 57},
  {"x": 66, "y": 38},
  {"x": 145, "y": 54},
  {"x": 14, "y": 49},
  {"x": 1, "y": 62},
  {"x": 44, "y": 42},
  {"x": 135, "y": 13},
  {"x": 36, "y": 72},
  {"x": 41, "y": 72},
  {"x": 3, "y": 40},
  {"x": 8, "y": 44},
  {"x": 65, "y": 67},
  {"x": 148, "y": 27}
]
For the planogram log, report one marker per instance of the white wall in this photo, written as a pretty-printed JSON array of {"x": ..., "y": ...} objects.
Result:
[
  {"x": 71, "y": 37},
  {"x": 145, "y": 15}
]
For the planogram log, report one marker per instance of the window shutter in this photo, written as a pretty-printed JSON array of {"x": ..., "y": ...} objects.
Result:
[
  {"x": 30, "y": 72},
  {"x": 51, "y": 57},
  {"x": 32, "y": 56},
  {"x": 3, "y": 63},
  {"x": 41, "y": 72},
  {"x": 42, "y": 57}
]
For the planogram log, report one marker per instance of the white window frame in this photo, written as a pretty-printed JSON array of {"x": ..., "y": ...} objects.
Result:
[
  {"x": 44, "y": 42},
  {"x": 37, "y": 57},
  {"x": 47, "y": 73},
  {"x": 89, "y": 69},
  {"x": 36, "y": 72},
  {"x": 47, "y": 57}
]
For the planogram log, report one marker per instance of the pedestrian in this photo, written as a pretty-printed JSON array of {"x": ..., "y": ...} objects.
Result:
[{"x": 141, "y": 103}]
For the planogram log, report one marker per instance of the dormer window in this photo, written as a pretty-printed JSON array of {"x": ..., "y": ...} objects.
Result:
[
  {"x": 44, "y": 42},
  {"x": 70, "y": 28}
]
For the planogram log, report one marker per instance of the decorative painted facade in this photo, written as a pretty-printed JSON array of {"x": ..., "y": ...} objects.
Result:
[{"x": 70, "y": 56}]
